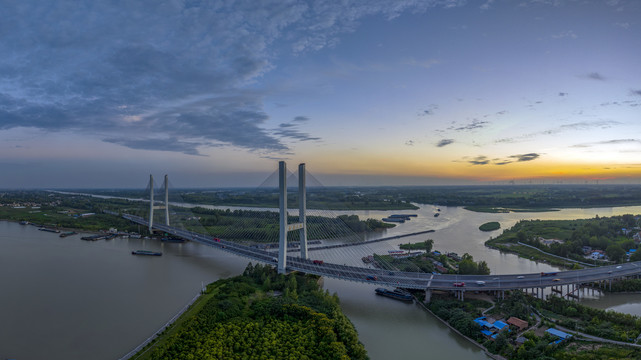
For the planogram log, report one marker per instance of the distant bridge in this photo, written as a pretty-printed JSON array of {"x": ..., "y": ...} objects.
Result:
[{"x": 534, "y": 283}]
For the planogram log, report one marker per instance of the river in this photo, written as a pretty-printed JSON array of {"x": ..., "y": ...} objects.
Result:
[{"x": 65, "y": 298}]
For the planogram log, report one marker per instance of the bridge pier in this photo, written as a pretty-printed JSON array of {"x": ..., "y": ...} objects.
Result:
[{"x": 428, "y": 295}]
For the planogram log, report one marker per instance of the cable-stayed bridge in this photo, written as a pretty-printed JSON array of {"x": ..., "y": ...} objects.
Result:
[{"x": 534, "y": 283}]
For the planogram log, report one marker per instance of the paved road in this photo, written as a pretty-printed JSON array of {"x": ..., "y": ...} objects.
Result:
[{"x": 410, "y": 280}]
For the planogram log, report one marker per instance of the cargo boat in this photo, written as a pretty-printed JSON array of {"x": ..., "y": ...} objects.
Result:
[
  {"x": 49, "y": 230},
  {"x": 146, "y": 252},
  {"x": 65, "y": 234},
  {"x": 395, "y": 294}
]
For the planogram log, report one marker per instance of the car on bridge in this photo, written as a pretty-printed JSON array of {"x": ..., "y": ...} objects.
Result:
[
  {"x": 555, "y": 280},
  {"x": 318, "y": 262},
  {"x": 520, "y": 277},
  {"x": 372, "y": 277},
  {"x": 480, "y": 283},
  {"x": 459, "y": 284}
]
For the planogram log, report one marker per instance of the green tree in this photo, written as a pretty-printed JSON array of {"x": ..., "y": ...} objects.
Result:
[{"x": 615, "y": 252}]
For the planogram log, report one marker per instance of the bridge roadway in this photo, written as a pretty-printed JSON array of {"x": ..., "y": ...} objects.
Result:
[{"x": 409, "y": 280}]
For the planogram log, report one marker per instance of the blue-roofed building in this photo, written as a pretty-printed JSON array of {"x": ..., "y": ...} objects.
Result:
[
  {"x": 500, "y": 325},
  {"x": 486, "y": 332},
  {"x": 558, "y": 333},
  {"x": 481, "y": 321}
]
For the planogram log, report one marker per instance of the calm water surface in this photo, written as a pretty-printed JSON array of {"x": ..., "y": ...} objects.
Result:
[{"x": 65, "y": 298}]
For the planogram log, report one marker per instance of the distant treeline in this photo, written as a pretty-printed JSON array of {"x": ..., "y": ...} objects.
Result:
[{"x": 397, "y": 198}]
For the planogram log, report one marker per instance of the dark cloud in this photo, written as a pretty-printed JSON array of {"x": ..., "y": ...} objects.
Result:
[
  {"x": 595, "y": 76},
  {"x": 635, "y": 92},
  {"x": 479, "y": 160},
  {"x": 162, "y": 70},
  {"x": 290, "y": 130},
  {"x": 167, "y": 144},
  {"x": 525, "y": 157},
  {"x": 484, "y": 160},
  {"x": 444, "y": 142},
  {"x": 409, "y": 143},
  {"x": 563, "y": 94}
]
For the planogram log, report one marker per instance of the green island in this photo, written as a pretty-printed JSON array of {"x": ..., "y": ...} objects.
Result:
[
  {"x": 260, "y": 315},
  {"x": 574, "y": 243},
  {"x": 490, "y": 226},
  {"x": 515, "y": 327},
  {"x": 429, "y": 261}
]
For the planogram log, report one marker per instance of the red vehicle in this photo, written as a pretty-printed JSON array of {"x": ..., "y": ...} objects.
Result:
[
  {"x": 216, "y": 239},
  {"x": 459, "y": 284},
  {"x": 319, "y": 262},
  {"x": 372, "y": 277}
]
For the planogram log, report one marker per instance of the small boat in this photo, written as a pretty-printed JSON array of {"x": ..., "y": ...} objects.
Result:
[
  {"x": 437, "y": 214},
  {"x": 65, "y": 234},
  {"x": 146, "y": 252},
  {"x": 397, "y": 294}
]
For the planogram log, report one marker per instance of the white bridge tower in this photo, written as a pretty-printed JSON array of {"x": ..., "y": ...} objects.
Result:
[{"x": 284, "y": 227}]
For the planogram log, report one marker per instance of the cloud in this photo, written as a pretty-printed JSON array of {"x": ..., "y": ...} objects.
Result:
[
  {"x": 290, "y": 130},
  {"x": 475, "y": 124},
  {"x": 484, "y": 160},
  {"x": 429, "y": 110},
  {"x": 479, "y": 160},
  {"x": 609, "y": 142},
  {"x": 594, "y": 76},
  {"x": 563, "y": 94},
  {"x": 624, "y": 25},
  {"x": 444, "y": 142},
  {"x": 635, "y": 92},
  {"x": 487, "y": 5},
  {"x": 426, "y": 64},
  {"x": 525, "y": 157},
  {"x": 409, "y": 143},
  {"x": 130, "y": 73},
  {"x": 577, "y": 126},
  {"x": 565, "y": 34}
]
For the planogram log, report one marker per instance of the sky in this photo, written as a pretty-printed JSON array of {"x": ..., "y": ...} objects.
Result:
[{"x": 100, "y": 94}]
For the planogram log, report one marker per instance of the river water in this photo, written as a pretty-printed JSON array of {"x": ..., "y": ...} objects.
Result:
[{"x": 65, "y": 298}]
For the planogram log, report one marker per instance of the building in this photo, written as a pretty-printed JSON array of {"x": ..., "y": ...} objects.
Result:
[{"x": 521, "y": 324}]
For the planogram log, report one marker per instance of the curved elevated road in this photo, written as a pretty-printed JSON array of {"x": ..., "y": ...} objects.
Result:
[{"x": 409, "y": 280}]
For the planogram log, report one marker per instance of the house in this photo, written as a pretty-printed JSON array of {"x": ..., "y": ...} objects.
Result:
[
  {"x": 587, "y": 250},
  {"x": 521, "y": 324},
  {"x": 597, "y": 254},
  {"x": 558, "y": 333},
  {"x": 500, "y": 325}
]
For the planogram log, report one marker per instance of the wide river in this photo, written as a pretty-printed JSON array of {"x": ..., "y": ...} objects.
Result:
[{"x": 65, "y": 298}]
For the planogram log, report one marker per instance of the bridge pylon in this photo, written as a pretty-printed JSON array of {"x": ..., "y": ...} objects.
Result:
[
  {"x": 284, "y": 227},
  {"x": 152, "y": 206}
]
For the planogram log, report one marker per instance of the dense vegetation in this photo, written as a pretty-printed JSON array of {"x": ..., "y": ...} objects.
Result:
[
  {"x": 65, "y": 210},
  {"x": 424, "y": 245},
  {"x": 263, "y": 226},
  {"x": 478, "y": 198},
  {"x": 607, "y": 324},
  {"x": 263, "y": 315},
  {"x": 490, "y": 226},
  {"x": 335, "y": 198},
  {"x": 613, "y": 235},
  {"x": 427, "y": 262}
]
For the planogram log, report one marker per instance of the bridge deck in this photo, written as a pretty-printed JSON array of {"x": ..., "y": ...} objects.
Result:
[{"x": 409, "y": 280}]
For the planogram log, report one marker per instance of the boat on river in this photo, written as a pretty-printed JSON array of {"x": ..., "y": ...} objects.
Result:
[
  {"x": 397, "y": 294},
  {"x": 146, "y": 252}
]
